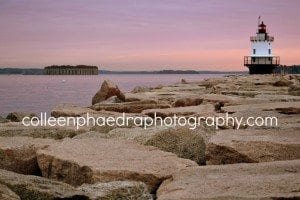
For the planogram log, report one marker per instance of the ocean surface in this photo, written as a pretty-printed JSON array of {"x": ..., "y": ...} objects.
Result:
[{"x": 42, "y": 93}]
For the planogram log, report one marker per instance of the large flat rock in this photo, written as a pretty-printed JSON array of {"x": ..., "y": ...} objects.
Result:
[
  {"x": 169, "y": 93},
  {"x": 260, "y": 145},
  {"x": 273, "y": 180},
  {"x": 283, "y": 98},
  {"x": 18, "y": 154},
  {"x": 203, "y": 109},
  {"x": 230, "y": 99},
  {"x": 129, "y": 107},
  {"x": 262, "y": 106},
  {"x": 78, "y": 161},
  {"x": 67, "y": 110}
]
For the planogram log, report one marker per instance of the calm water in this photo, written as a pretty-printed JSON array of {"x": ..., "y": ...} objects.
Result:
[{"x": 42, "y": 93}]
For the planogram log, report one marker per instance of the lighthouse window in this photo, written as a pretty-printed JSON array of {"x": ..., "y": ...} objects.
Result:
[
  {"x": 254, "y": 51},
  {"x": 269, "y": 51}
]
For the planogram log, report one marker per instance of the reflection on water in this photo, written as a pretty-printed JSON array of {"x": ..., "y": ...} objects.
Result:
[{"x": 42, "y": 93}]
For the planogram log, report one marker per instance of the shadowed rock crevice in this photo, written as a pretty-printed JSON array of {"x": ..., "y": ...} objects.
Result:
[
  {"x": 148, "y": 179},
  {"x": 248, "y": 146},
  {"x": 65, "y": 171},
  {"x": 18, "y": 154},
  {"x": 289, "y": 110}
]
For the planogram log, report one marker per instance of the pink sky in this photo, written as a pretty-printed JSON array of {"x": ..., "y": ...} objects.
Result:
[{"x": 143, "y": 34}]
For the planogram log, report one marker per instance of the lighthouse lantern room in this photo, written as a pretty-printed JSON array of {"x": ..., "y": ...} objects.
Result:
[{"x": 261, "y": 59}]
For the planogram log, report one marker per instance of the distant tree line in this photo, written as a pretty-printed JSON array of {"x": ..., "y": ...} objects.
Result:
[
  {"x": 171, "y": 72},
  {"x": 293, "y": 69},
  {"x": 31, "y": 71}
]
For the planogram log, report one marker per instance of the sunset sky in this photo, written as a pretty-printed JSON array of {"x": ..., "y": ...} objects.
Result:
[{"x": 143, "y": 34}]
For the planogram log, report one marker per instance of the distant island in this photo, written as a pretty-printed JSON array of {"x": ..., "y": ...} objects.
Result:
[{"x": 293, "y": 69}]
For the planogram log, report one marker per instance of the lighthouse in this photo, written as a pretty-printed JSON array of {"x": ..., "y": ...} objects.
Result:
[{"x": 261, "y": 59}]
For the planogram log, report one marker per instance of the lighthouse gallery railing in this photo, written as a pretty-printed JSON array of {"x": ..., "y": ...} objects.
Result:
[{"x": 250, "y": 60}]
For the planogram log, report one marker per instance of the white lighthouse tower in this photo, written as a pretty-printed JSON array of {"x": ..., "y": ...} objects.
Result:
[{"x": 261, "y": 59}]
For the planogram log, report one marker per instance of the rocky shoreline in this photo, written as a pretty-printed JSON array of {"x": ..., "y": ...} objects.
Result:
[{"x": 252, "y": 162}]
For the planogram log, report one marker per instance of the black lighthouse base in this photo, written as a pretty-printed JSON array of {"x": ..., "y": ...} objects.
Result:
[
  {"x": 261, "y": 69},
  {"x": 261, "y": 65}
]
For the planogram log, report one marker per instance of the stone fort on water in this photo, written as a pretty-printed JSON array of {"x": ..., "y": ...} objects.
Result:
[{"x": 71, "y": 70}]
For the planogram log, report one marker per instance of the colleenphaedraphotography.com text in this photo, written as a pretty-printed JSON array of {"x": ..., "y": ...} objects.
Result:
[{"x": 145, "y": 122}]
